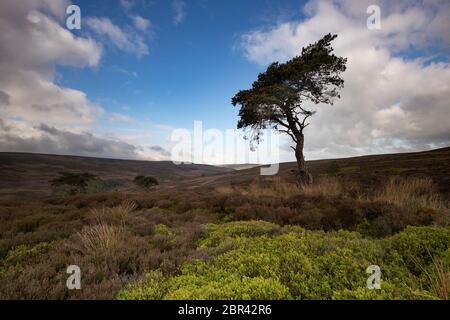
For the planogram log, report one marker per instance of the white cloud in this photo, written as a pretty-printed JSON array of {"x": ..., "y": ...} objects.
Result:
[
  {"x": 36, "y": 113},
  {"x": 141, "y": 23},
  {"x": 389, "y": 103},
  {"x": 127, "y": 4},
  {"x": 118, "y": 117},
  {"x": 179, "y": 11},
  {"x": 127, "y": 41},
  {"x": 29, "y": 51}
]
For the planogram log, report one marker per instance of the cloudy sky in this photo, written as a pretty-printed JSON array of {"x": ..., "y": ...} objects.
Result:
[{"x": 138, "y": 70}]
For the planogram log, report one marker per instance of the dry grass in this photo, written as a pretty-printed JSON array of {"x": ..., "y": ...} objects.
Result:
[
  {"x": 122, "y": 211},
  {"x": 117, "y": 214},
  {"x": 100, "y": 238},
  {"x": 227, "y": 189},
  {"x": 411, "y": 193},
  {"x": 277, "y": 187},
  {"x": 326, "y": 186},
  {"x": 108, "y": 231},
  {"x": 437, "y": 277}
]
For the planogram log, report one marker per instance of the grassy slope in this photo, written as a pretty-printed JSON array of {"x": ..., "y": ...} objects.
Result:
[{"x": 369, "y": 170}]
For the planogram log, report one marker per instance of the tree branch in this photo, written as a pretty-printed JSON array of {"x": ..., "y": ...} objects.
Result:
[{"x": 290, "y": 134}]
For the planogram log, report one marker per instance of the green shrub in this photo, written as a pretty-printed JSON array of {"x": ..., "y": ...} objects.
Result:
[
  {"x": 151, "y": 287},
  {"x": 260, "y": 260},
  {"x": 23, "y": 252},
  {"x": 162, "y": 229},
  {"x": 18, "y": 256},
  {"x": 416, "y": 246},
  {"x": 220, "y": 233},
  {"x": 226, "y": 286},
  {"x": 388, "y": 291},
  {"x": 145, "y": 182},
  {"x": 333, "y": 168},
  {"x": 99, "y": 185}
]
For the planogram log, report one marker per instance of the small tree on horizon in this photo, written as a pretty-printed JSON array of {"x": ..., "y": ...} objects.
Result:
[
  {"x": 145, "y": 182},
  {"x": 276, "y": 99},
  {"x": 76, "y": 180},
  {"x": 333, "y": 168}
]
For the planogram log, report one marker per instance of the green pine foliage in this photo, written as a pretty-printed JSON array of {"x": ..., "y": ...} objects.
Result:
[{"x": 145, "y": 182}]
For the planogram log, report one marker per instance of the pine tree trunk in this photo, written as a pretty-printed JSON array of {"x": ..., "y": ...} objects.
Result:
[{"x": 304, "y": 177}]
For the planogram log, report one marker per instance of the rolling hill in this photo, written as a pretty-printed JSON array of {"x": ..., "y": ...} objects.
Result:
[
  {"x": 28, "y": 174},
  {"x": 368, "y": 170}
]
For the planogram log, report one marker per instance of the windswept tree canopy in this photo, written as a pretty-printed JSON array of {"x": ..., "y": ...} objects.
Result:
[
  {"x": 79, "y": 180},
  {"x": 73, "y": 179},
  {"x": 145, "y": 182},
  {"x": 277, "y": 96}
]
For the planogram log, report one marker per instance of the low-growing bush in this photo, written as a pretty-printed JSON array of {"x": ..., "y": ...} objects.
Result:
[
  {"x": 144, "y": 182},
  {"x": 254, "y": 262},
  {"x": 418, "y": 245},
  {"x": 151, "y": 287}
]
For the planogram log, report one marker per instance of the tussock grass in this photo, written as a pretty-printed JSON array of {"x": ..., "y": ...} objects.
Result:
[
  {"x": 108, "y": 230},
  {"x": 122, "y": 211},
  {"x": 117, "y": 214},
  {"x": 100, "y": 238},
  {"x": 436, "y": 276},
  {"x": 439, "y": 278},
  {"x": 326, "y": 186},
  {"x": 411, "y": 193},
  {"x": 277, "y": 187}
]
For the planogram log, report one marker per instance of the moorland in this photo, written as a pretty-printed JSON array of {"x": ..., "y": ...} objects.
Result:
[{"x": 208, "y": 232}]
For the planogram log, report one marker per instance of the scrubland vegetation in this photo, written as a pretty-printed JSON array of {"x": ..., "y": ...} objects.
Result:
[{"x": 268, "y": 239}]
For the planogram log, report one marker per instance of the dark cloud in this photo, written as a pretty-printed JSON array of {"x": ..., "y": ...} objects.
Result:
[
  {"x": 160, "y": 150},
  {"x": 3, "y": 126},
  {"x": 4, "y": 98},
  {"x": 49, "y": 139}
]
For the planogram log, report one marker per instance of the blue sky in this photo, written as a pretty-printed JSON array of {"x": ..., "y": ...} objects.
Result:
[
  {"x": 192, "y": 69},
  {"x": 138, "y": 69}
]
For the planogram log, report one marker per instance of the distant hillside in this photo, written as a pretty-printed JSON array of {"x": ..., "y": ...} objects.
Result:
[
  {"x": 24, "y": 174},
  {"x": 242, "y": 166},
  {"x": 367, "y": 169},
  {"x": 30, "y": 173}
]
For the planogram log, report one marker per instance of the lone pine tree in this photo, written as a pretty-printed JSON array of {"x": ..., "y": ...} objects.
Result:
[{"x": 277, "y": 98}]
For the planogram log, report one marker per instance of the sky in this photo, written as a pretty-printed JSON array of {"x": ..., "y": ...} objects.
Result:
[{"x": 137, "y": 71}]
